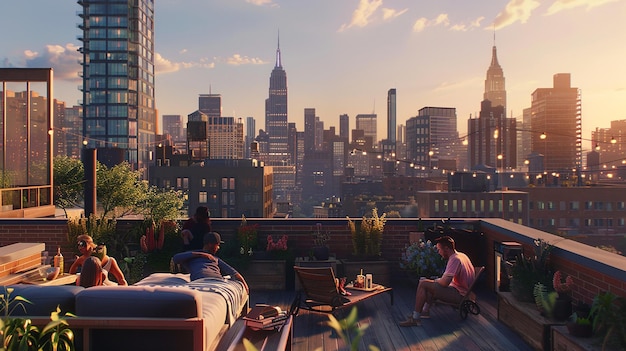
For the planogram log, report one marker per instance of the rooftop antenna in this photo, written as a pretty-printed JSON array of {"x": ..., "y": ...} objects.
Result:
[{"x": 374, "y": 108}]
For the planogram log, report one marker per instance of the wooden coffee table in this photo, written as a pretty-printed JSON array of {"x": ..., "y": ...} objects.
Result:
[{"x": 263, "y": 340}]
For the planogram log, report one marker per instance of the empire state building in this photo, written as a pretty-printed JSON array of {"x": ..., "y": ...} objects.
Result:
[
  {"x": 276, "y": 115},
  {"x": 494, "y": 83}
]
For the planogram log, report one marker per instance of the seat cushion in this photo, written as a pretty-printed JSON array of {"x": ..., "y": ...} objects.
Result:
[
  {"x": 139, "y": 302},
  {"x": 44, "y": 299}
]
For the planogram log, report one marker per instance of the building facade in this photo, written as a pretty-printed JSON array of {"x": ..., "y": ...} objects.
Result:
[
  {"x": 556, "y": 121},
  {"x": 119, "y": 116},
  {"x": 431, "y": 136},
  {"x": 229, "y": 188}
]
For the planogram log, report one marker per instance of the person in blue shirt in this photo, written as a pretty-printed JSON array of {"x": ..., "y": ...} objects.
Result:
[{"x": 204, "y": 264}]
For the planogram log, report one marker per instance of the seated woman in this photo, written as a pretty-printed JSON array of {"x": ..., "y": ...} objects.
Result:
[
  {"x": 91, "y": 274},
  {"x": 85, "y": 247},
  {"x": 109, "y": 265}
]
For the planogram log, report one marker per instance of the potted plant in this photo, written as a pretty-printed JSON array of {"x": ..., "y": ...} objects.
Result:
[
  {"x": 421, "y": 259},
  {"x": 530, "y": 270},
  {"x": 580, "y": 325},
  {"x": 563, "y": 303},
  {"x": 544, "y": 300},
  {"x": 366, "y": 249},
  {"x": 608, "y": 313},
  {"x": 320, "y": 250}
]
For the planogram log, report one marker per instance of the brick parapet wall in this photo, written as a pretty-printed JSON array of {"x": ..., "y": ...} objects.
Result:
[{"x": 592, "y": 272}]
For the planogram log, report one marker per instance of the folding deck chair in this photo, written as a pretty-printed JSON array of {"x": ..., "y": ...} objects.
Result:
[
  {"x": 468, "y": 303},
  {"x": 321, "y": 293}
]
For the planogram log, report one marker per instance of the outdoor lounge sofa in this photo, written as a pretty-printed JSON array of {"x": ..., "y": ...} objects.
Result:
[{"x": 162, "y": 312}]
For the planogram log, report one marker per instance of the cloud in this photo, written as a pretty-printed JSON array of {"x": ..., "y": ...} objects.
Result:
[
  {"x": 262, "y": 3},
  {"x": 392, "y": 13},
  {"x": 462, "y": 27},
  {"x": 237, "y": 60},
  {"x": 420, "y": 24},
  {"x": 561, "y": 5},
  {"x": 444, "y": 20},
  {"x": 63, "y": 60},
  {"x": 361, "y": 16},
  {"x": 516, "y": 11},
  {"x": 163, "y": 65}
]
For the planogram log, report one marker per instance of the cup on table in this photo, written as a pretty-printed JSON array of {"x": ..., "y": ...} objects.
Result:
[{"x": 360, "y": 281}]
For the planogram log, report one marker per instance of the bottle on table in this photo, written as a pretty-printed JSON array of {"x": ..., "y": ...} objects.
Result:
[{"x": 58, "y": 260}]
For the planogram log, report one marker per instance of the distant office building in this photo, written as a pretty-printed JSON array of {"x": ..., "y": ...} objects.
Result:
[
  {"x": 73, "y": 129},
  {"x": 509, "y": 205},
  {"x": 26, "y": 143},
  {"x": 431, "y": 136},
  {"x": 367, "y": 123},
  {"x": 492, "y": 138},
  {"x": 224, "y": 137},
  {"x": 391, "y": 115},
  {"x": 292, "y": 143},
  {"x": 229, "y": 188},
  {"x": 309, "y": 130},
  {"x": 174, "y": 126},
  {"x": 60, "y": 140},
  {"x": 210, "y": 104},
  {"x": 250, "y": 134},
  {"x": 276, "y": 115},
  {"x": 119, "y": 116},
  {"x": 610, "y": 143},
  {"x": 556, "y": 124},
  {"x": 344, "y": 126},
  {"x": 524, "y": 134}
]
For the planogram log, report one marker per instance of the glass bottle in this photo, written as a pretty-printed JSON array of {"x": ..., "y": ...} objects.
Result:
[{"x": 58, "y": 260}]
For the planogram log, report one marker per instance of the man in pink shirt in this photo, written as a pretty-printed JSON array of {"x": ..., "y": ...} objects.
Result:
[{"x": 451, "y": 287}]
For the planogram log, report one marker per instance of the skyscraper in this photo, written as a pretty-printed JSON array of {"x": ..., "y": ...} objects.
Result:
[
  {"x": 250, "y": 134},
  {"x": 119, "y": 116},
  {"x": 556, "y": 123},
  {"x": 391, "y": 116},
  {"x": 309, "y": 130},
  {"x": 431, "y": 136},
  {"x": 344, "y": 126},
  {"x": 492, "y": 138},
  {"x": 367, "y": 123},
  {"x": 276, "y": 114},
  {"x": 494, "y": 83},
  {"x": 211, "y": 104}
]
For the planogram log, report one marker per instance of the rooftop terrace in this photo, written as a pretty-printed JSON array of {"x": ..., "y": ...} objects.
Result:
[{"x": 595, "y": 271}]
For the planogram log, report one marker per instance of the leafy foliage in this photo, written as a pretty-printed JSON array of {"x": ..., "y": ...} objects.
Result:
[
  {"x": 545, "y": 300},
  {"x": 20, "y": 334},
  {"x": 367, "y": 238},
  {"x": 528, "y": 271},
  {"x": 69, "y": 183},
  {"x": 160, "y": 204},
  {"x": 422, "y": 259},
  {"x": 120, "y": 190},
  {"x": 609, "y": 318}
]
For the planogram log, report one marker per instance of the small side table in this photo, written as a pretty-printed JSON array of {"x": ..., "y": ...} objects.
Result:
[
  {"x": 263, "y": 340},
  {"x": 64, "y": 279}
]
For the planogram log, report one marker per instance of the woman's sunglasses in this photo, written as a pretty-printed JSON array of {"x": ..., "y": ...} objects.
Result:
[{"x": 82, "y": 243}]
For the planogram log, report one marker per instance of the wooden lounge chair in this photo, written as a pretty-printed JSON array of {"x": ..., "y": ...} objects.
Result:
[
  {"x": 321, "y": 293},
  {"x": 468, "y": 303}
]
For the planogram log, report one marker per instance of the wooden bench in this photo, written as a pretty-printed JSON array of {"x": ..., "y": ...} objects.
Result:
[{"x": 263, "y": 340}]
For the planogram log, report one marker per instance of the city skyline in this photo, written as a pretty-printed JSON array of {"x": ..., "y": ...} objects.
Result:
[{"x": 337, "y": 54}]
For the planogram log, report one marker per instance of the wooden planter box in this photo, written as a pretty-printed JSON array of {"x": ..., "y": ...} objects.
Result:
[
  {"x": 563, "y": 341},
  {"x": 380, "y": 270},
  {"x": 525, "y": 320},
  {"x": 266, "y": 275}
]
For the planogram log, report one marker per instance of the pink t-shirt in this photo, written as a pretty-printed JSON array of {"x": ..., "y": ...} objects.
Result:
[{"x": 461, "y": 269}]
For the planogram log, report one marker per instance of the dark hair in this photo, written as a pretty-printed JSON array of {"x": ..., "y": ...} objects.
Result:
[
  {"x": 202, "y": 212},
  {"x": 446, "y": 241},
  {"x": 91, "y": 273}
]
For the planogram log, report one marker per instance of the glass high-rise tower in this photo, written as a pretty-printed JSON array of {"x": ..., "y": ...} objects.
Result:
[{"x": 119, "y": 117}]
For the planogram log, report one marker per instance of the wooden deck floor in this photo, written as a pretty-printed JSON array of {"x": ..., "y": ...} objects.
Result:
[{"x": 443, "y": 331}]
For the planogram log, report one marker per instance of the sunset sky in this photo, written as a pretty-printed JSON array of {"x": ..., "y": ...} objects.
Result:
[{"x": 341, "y": 56}]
